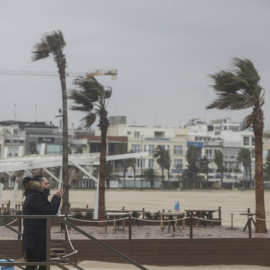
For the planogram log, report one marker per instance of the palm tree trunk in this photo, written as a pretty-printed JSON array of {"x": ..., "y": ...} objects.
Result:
[
  {"x": 124, "y": 174},
  {"x": 134, "y": 178},
  {"x": 162, "y": 175},
  {"x": 259, "y": 191},
  {"x": 66, "y": 204},
  {"x": 103, "y": 126}
]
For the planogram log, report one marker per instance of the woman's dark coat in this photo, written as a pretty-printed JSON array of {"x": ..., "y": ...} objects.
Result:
[{"x": 36, "y": 203}]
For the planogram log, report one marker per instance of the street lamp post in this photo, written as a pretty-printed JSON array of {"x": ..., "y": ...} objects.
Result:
[{"x": 141, "y": 159}]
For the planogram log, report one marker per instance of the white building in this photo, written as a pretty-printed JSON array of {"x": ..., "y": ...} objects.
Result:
[
  {"x": 143, "y": 138},
  {"x": 222, "y": 135}
]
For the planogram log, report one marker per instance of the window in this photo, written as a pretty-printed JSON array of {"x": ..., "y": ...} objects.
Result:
[
  {"x": 135, "y": 148},
  {"x": 149, "y": 148},
  {"x": 246, "y": 140},
  {"x": 177, "y": 163},
  {"x": 140, "y": 163},
  {"x": 13, "y": 151},
  {"x": 159, "y": 134},
  {"x": 151, "y": 163},
  {"x": 210, "y": 128},
  {"x": 178, "y": 150},
  {"x": 53, "y": 149},
  {"x": 226, "y": 153},
  {"x": 253, "y": 141},
  {"x": 136, "y": 134},
  {"x": 232, "y": 153},
  {"x": 209, "y": 153}
]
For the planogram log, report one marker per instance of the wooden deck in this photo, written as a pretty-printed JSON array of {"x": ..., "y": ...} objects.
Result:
[{"x": 165, "y": 252}]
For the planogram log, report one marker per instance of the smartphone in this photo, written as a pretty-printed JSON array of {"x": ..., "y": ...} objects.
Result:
[{"x": 61, "y": 186}]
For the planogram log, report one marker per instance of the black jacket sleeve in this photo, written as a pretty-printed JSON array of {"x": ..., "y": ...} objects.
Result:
[{"x": 41, "y": 206}]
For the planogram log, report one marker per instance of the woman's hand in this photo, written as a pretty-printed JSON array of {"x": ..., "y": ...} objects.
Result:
[{"x": 60, "y": 192}]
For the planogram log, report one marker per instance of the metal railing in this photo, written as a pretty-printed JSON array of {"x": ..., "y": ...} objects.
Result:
[{"x": 48, "y": 262}]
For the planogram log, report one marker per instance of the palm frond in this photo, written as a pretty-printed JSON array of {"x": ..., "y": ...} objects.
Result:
[
  {"x": 50, "y": 43},
  {"x": 80, "y": 99},
  {"x": 248, "y": 121},
  {"x": 107, "y": 93},
  {"x": 89, "y": 119}
]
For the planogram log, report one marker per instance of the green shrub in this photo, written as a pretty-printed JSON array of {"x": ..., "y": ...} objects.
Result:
[
  {"x": 136, "y": 214},
  {"x": 89, "y": 215},
  {"x": 78, "y": 215},
  {"x": 148, "y": 215},
  {"x": 157, "y": 215}
]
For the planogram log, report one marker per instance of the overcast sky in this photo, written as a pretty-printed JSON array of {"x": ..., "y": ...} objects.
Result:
[{"x": 163, "y": 51}]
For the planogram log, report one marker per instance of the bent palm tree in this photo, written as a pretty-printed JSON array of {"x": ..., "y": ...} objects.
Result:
[
  {"x": 54, "y": 44},
  {"x": 240, "y": 89},
  {"x": 90, "y": 95}
]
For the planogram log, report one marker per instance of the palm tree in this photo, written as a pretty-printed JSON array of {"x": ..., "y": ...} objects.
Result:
[
  {"x": 240, "y": 89},
  {"x": 192, "y": 157},
  {"x": 219, "y": 162},
  {"x": 32, "y": 148},
  {"x": 168, "y": 162},
  {"x": 245, "y": 159},
  {"x": 161, "y": 155},
  {"x": 53, "y": 44},
  {"x": 122, "y": 149},
  {"x": 150, "y": 175},
  {"x": 90, "y": 95},
  {"x": 131, "y": 162},
  {"x": 204, "y": 168}
]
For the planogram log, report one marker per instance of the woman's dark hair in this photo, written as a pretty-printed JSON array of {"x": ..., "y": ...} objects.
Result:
[
  {"x": 38, "y": 178},
  {"x": 26, "y": 180}
]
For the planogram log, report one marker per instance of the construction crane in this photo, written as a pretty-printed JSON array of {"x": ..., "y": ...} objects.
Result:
[{"x": 97, "y": 72}]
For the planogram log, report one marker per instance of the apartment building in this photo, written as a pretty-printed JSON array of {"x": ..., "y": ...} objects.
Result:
[
  {"x": 146, "y": 139},
  {"x": 226, "y": 136}
]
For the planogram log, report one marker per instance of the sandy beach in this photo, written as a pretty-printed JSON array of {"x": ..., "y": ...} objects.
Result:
[{"x": 153, "y": 201}]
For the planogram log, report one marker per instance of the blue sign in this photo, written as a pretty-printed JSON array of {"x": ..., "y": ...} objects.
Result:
[{"x": 196, "y": 144}]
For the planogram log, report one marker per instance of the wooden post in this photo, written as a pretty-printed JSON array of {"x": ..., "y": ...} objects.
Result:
[
  {"x": 129, "y": 228},
  {"x": 143, "y": 212},
  {"x": 219, "y": 213},
  {"x": 48, "y": 243},
  {"x": 191, "y": 228}
]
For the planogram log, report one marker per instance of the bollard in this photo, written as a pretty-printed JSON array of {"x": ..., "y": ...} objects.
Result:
[
  {"x": 65, "y": 228},
  {"x": 191, "y": 228},
  {"x": 129, "y": 227},
  {"x": 249, "y": 227},
  {"x": 219, "y": 213}
]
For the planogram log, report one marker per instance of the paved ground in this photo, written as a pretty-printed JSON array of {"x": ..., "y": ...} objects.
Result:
[{"x": 146, "y": 232}]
